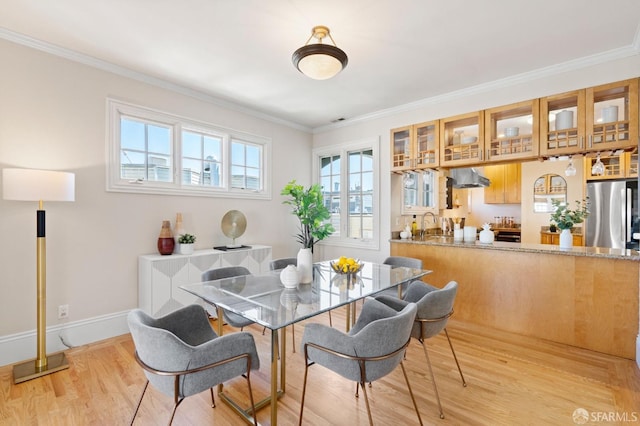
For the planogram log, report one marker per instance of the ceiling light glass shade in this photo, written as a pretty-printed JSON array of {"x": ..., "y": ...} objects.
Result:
[
  {"x": 598, "y": 167},
  {"x": 320, "y": 61}
]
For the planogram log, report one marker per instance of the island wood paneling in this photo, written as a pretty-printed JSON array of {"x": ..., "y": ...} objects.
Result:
[{"x": 587, "y": 302}]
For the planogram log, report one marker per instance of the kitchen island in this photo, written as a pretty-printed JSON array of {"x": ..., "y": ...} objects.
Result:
[{"x": 583, "y": 296}]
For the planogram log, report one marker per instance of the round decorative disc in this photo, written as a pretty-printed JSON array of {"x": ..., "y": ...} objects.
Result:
[{"x": 233, "y": 224}]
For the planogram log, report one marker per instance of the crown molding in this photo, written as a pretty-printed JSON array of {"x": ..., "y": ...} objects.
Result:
[
  {"x": 573, "y": 65},
  {"x": 144, "y": 78}
]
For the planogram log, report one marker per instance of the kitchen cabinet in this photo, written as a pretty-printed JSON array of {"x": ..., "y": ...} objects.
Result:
[
  {"x": 512, "y": 131},
  {"x": 598, "y": 118},
  {"x": 620, "y": 166},
  {"x": 554, "y": 238},
  {"x": 612, "y": 116},
  {"x": 562, "y": 127},
  {"x": 462, "y": 139},
  {"x": 415, "y": 147},
  {"x": 547, "y": 189},
  {"x": 505, "y": 184}
]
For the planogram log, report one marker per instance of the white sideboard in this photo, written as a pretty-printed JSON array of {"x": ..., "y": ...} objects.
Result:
[{"x": 160, "y": 277}]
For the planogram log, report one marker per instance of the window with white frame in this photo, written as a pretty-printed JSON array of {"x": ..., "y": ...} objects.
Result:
[
  {"x": 155, "y": 152},
  {"x": 348, "y": 175}
]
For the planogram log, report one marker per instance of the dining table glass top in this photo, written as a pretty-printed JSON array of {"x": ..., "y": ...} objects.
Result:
[{"x": 264, "y": 299}]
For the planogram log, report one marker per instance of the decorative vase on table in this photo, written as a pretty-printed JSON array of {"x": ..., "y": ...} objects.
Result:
[
  {"x": 178, "y": 230},
  {"x": 305, "y": 265},
  {"x": 566, "y": 238},
  {"x": 166, "y": 243}
]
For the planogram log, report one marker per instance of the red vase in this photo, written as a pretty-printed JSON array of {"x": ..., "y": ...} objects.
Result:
[{"x": 166, "y": 243}]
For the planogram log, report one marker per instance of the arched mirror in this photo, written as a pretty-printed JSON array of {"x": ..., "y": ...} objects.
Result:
[{"x": 547, "y": 188}]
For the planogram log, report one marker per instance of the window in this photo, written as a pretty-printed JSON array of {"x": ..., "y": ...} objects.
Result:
[
  {"x": 155, "y": 152},
  {"x": 354, "y": 204}
]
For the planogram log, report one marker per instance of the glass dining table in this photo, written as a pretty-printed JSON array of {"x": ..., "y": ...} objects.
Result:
[{"x": 264, "y": 300}]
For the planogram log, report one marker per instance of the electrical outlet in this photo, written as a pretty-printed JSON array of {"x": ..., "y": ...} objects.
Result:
[{"x": 63, "y": 311}]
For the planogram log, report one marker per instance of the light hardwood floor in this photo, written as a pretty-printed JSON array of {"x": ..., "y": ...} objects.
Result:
[{"x": 512, "y": 380}]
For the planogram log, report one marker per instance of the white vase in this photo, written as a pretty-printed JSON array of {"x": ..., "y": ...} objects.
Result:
[
  {"x": 305, "y": 265},
  {"x": 185, "y": 248},
  {"x": 566, "y": 238},
  {"x": 289, "y": 277}
]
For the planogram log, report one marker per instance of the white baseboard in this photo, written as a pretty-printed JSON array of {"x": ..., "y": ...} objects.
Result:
[{"x": 19, "y": 347}]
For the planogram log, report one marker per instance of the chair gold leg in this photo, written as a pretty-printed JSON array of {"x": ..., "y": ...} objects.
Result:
[
  {"x": 304, "y": 390},
  {"x": 293, "y": 337},
  {"x": 253, "y": 405},
  {"x": 213, "y": 400},
  {"x": 366, "y": 400},
  {"x": 139, "y": 403},
  {"x": 464, "y": 383},
  {"x": 433, "y": 379},
  {"x": 406, "y": 379}
]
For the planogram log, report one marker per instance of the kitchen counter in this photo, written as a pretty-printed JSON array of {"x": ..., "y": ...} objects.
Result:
[
  {"x": 438, "y": 240},
  {"x": 584, "y": 296}
]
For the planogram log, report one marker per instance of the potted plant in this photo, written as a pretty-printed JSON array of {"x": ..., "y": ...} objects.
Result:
[
  {"x": 186, "y": 242},
  {"x": 564, "y": 219},
  {"x": 308, "y": 206}
]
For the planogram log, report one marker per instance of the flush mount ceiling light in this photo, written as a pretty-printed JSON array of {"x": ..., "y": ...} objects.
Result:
[{"x": 318, "y": 60}]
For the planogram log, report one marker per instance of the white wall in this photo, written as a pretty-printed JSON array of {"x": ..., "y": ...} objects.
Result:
[{"x": 52, "y": 116}]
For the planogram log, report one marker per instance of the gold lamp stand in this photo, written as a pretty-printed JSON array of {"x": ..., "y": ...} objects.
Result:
[
  {"x": 39, "y": 185},
  {"x": 42, "y": 365}
]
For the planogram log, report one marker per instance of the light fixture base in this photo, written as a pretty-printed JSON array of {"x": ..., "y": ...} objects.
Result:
[{"x": 27, "y": 370}]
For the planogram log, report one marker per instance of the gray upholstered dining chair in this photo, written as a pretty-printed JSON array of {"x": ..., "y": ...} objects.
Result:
[
  {"x": 230, "y": 318},
  {"x": 407, "y": 262},
  {"x": 372, "y": 349},
  {"x": 435, "y": 307},
  {"x": 181, "y": 355}
]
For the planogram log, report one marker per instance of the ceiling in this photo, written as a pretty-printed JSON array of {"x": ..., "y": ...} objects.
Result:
[{"x": 238, "y": 52}]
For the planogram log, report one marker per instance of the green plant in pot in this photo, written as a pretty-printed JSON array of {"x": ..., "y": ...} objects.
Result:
[
  {"x": 308, "y": 206},
  {"x": 186, "y": 242},
  {"x": 565, "y": 218}
]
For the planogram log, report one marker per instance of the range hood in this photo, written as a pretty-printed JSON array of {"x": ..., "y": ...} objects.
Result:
[{"x": 468, "y": 178}]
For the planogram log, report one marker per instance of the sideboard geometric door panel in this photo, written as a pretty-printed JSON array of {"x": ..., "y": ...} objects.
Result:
[{"x": 160, "y": 277}]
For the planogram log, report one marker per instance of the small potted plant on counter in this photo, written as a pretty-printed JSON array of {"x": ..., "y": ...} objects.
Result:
[
  {"x": 186, "y": 242},
  {"x": 564, "y": 219}
]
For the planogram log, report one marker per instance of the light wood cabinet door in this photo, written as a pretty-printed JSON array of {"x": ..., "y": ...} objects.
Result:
[
  {"x": 505, "y": 184},
  {"x": 512, "y": 131},
  {"x": 462, "y": 140},
  {"x": 611, "y": 116},
  {"x": 554, "y": 238},
  {"x": 562, "y": 128}
]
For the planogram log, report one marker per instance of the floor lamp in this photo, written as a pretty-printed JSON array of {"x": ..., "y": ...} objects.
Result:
[{"x": 39, "y": 185}]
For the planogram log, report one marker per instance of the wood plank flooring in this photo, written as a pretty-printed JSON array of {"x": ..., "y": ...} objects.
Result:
[{"x": 512, "y": 380}]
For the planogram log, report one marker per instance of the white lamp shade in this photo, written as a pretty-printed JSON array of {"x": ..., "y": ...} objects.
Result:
[
  {"x": 37, "y": 185},
  {"x": 320, "y": 67}
]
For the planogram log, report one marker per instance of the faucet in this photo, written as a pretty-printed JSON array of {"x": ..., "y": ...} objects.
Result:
[{"x": 424, "y": 216}]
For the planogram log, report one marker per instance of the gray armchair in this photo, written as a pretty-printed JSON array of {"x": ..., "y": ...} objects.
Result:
[
  {"x": 407, "y": 262},
  {"x": 372, "y": 349},
  {"x": 435, "y": 307},
  {"x": 181, "y": 354},
  {"x": 230, "y": 318}
]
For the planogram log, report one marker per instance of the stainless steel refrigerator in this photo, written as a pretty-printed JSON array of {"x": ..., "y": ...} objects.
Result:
[{"x": 613, "y": 214}]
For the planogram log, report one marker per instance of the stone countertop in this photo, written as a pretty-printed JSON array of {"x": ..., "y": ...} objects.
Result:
[{"x": 622, "y": 254}]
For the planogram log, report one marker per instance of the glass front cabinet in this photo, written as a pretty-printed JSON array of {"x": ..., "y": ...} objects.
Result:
[
  {"x": 512, "y": 131},
  {"x": 596, "y": 119},
  {"x": 462, "y": 139},
  {"x": 415, "y": 147}
]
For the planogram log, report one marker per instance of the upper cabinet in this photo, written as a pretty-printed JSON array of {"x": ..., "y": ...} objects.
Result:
[
  {"x": 462, "y": 139},
  {"x": 562, "y": 123},
  {"x": 599, "y": 118},
  {"x": 612, "y": 116},
  {"x": 505, "y": 184},
  {"x": 512, "y": 131},
  {"x": 620, "y": 166},
  {"x": 415, "y": 147}
]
